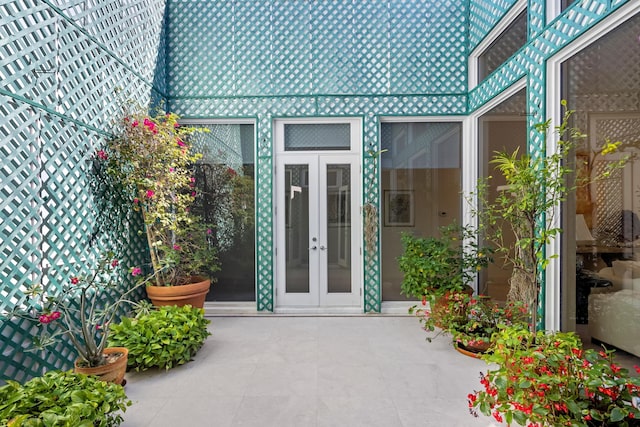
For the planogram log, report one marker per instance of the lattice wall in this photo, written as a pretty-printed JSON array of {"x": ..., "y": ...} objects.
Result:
[
  {"x": 279, "y": 58},
  {"x": 61, "y": 66}
]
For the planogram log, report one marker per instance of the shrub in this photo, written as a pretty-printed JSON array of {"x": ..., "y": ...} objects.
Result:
[
  {"x": 62, "y": 399},
  {"x": 163, "y": 338}
]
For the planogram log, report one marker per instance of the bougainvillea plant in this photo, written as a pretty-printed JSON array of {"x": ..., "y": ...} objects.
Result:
[
  {"x": 548, "y": 379},
  {"x": 81, "y": 309},
  {"x": 153, "y": 158}
]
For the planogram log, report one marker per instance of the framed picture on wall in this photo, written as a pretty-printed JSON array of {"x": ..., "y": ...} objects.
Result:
[{"x": 398, "y": 208}]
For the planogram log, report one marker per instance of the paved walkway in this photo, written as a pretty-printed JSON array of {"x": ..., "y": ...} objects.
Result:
[{"x": 273, "y": 371}]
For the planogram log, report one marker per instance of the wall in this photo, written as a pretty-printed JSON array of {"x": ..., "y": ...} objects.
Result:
[
  {"x": 274, "y": 58},
  {"x": 61, "y": 64}
]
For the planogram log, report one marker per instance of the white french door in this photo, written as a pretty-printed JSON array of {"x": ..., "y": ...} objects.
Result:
[{"x": 318, "y": 230}]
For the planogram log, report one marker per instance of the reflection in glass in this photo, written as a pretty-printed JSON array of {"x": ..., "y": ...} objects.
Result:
[
  {"x": 338, "y": 228},
  {"x": 297, "y": 228}
]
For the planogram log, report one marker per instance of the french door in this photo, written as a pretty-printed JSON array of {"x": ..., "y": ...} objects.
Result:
[{"x": 318, "y": 230}]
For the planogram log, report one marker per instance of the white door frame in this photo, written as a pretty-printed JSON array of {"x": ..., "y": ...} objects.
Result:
[{"x": 320, "y": 300}]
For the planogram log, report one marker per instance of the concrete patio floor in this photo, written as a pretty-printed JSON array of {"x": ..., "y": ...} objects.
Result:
[{"x": 311, "y": 371}]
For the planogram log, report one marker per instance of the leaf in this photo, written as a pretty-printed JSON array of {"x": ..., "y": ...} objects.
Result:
[{"x": 617, "y": 415}]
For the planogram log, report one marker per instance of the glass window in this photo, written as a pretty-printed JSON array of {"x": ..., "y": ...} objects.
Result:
[
  {"x": 317, "y": 137},
  {"x": 602, "y": 224},
  {"x": 225, "y": 183},
  {"x": 502, "y": 129},
  {"x": 507, "y": 43},
  {"x": 421, "y": 185}
]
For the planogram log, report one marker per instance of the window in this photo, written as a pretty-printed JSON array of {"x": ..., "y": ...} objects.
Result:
[
  {"x": 421, "y": 184},
  {"x": 505, "y": 45}
]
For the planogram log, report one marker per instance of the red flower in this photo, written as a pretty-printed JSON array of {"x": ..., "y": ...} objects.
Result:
[
  {"x": 114, "y": 263},
  {"x": 497, "y": 416},
  {"x": 102, "y": 155},
  {"x": 134, "y": 124},
  {"x": 615, "y": 368},
  {"x": 150, "y": 194},
  {"x": 424, "y": 300},
  {"x": 55, "y": 315},
  {"x": 176, "y": 247},
  {"x": 43, "y": 318},
  {"x": 74, "y": 280}
]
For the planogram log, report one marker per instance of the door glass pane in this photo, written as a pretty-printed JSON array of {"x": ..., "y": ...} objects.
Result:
[
  {"x": 338, "y": 228},
  {"x": 317, "y": 137},
  {"x": 296, "y": 193}
]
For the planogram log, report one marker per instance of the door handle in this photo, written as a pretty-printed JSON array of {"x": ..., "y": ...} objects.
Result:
[
  {"x": 322, "y": 248},
  {"x": 313, "y": 247}
]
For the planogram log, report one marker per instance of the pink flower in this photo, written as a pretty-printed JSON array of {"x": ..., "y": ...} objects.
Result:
[
  {"x": 74, "y": 280},
  {"x": 176, "y": 247},
  {"x": 102, "y": 155},
  {"x": 114, "y": 263},
  {"x": 209, "y": 233},
  {"x": 193, "y": 194},
  {"x": 134, "y": 124},
  {"x": 150, "y": 194},
  {"x": 172, "y": 169},
  {"x": 176, "y": 125},
  {"x": 43, "y": 318},
  {"x": 136, "y": 200},
  {"x": 180, "y": 143},
  {"x": 55, "y": 315},
  {"x": 136, "y": 271}
]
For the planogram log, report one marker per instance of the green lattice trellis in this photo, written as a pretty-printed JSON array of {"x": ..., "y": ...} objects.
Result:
[{"x": 61, "y": 64}]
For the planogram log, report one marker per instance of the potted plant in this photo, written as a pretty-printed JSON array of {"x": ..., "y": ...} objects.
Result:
[
  {"x": 474, "y": 334},
  {"x": 81, "y": 310},
  {"x": 164, "y": 337},
  {"x": 62, "y": 398},
  {"x": 472, "y": 321},
  {"x": 548, "y": 379},
  {"x": 152, "y": 157},
  {"x": 535, "y": 187},
  {"x": 436, "y": 267}
]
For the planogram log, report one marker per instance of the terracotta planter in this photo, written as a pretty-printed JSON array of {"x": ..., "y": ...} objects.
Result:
[
  {"x": 441, "y": 304},
  {"x": 113, "y": 371},
  {"x": 192, "y": 293},
  {"x": 475, "y": 351}
]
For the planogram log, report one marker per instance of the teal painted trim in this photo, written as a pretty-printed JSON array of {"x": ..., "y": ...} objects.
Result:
[
  {"x": 317, "y": 96},
  {"x": 60, "y": 12},
  {"x": 52, "y": 112}
]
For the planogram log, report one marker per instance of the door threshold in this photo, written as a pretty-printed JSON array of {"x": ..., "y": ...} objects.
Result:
[{"x": 320, "y": 311}]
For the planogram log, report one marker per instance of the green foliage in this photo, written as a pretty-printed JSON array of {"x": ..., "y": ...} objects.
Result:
[
  {"x": 163, "y": 338},
  {"x": 62, "y": 399},
  {"x": 81, "y": 309},
  {"x": 435, "y": 265},
  {"x": 547, "y": 379},
  {"x": 152, "y": 158}
]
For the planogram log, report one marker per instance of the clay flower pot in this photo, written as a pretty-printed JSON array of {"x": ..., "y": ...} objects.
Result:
[
  {"x": 193, "y": 293},
  {"x": 113, "y": 371}
]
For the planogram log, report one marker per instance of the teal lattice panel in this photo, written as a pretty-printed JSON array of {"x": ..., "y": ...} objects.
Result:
[
  {"x": 484, "y": 15},
  {"x": 19, "y": 216},
  {"x": 428, "y": 47},
  {"x": 278, "y": 47},
  {"x": 60, "y": 65},
  {"x": 291, "y": 47},
  {"x": 128, "y": 28},
  {"x": 335, "y": 70},
  {"x": 371, "y": 194}
]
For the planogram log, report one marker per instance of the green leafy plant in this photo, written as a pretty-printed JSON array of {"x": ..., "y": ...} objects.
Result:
[
  {"x": 548, "y": 379},
  {"x": 433, "y": 266},
  {"x": 82, "y": 309},
  {"x": 535, "y": 186},
  {"x": 472, "y": 320},
  {"x": 163, "y": 338},
  {"x": 62, "y": 399},
  {"x": 151, "y": 157}
]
